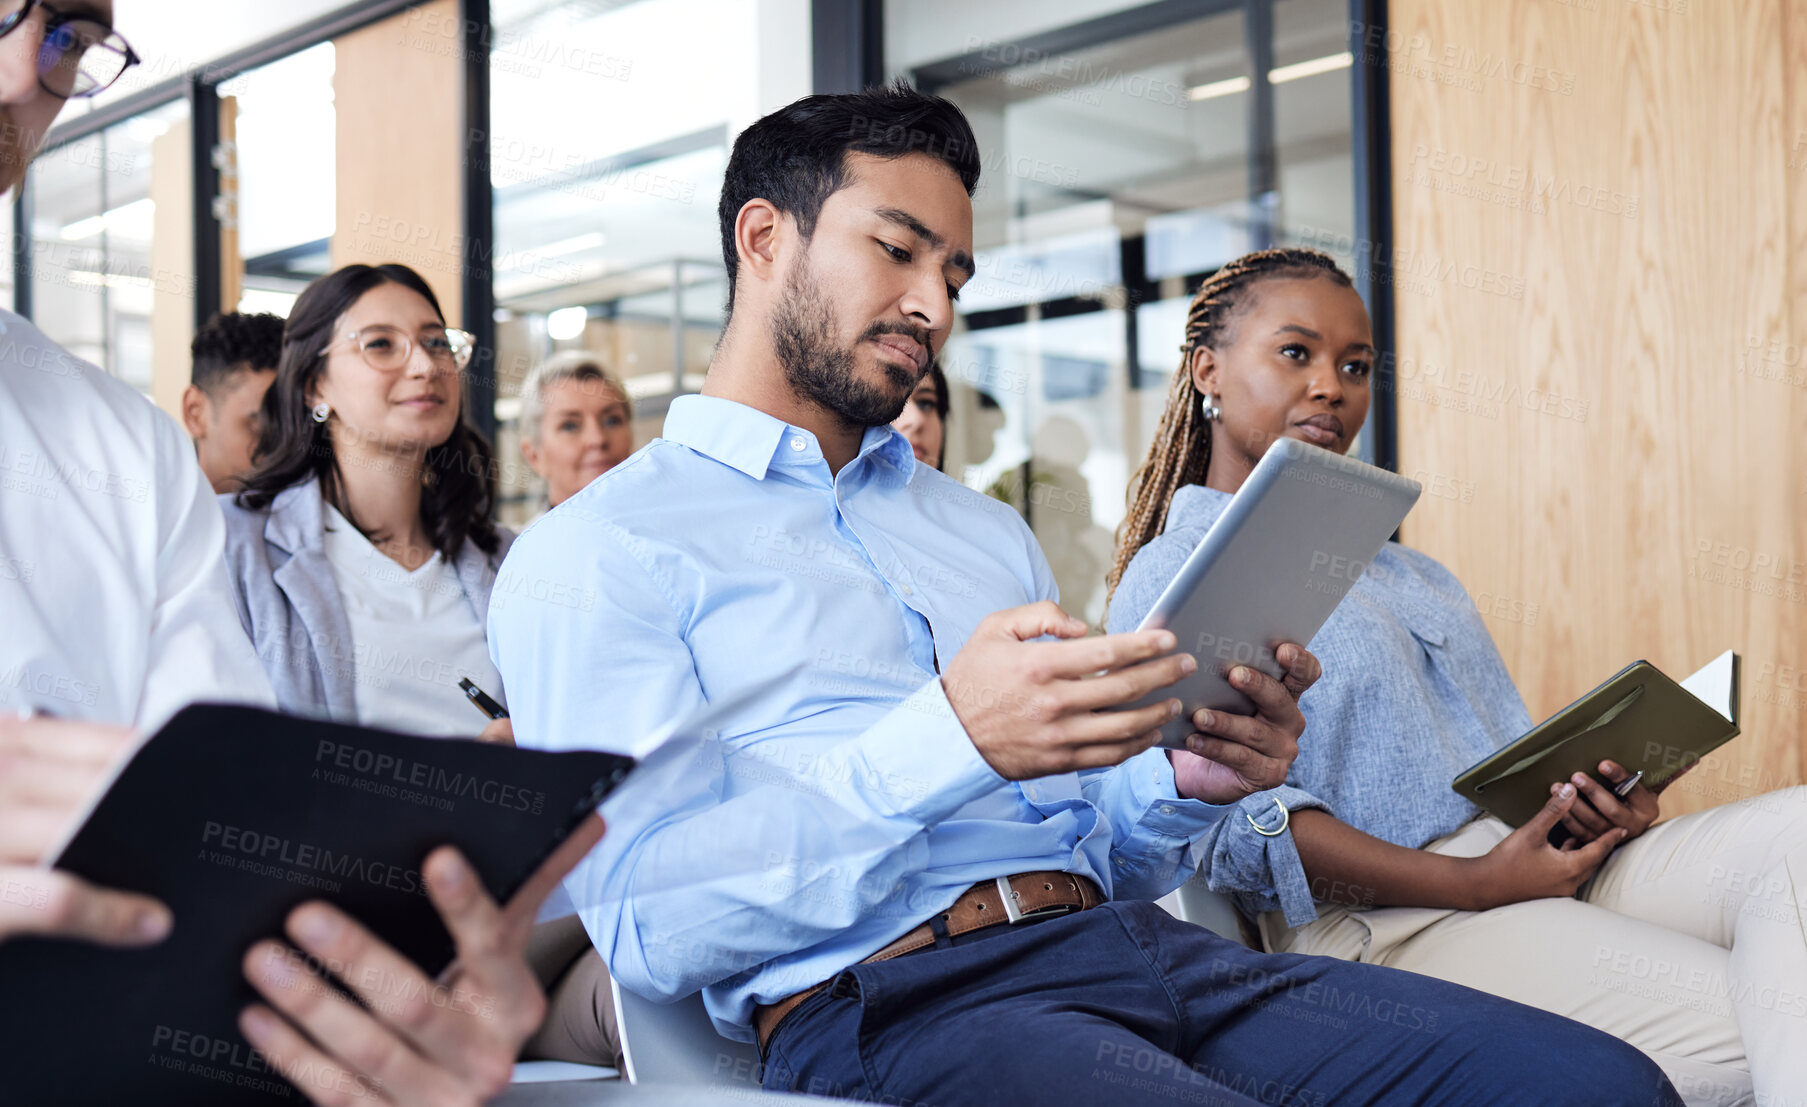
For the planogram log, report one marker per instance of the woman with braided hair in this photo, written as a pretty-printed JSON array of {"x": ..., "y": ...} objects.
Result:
[{"x": 1684, "y": 939}]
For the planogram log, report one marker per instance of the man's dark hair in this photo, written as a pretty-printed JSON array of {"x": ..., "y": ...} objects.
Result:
[
  {"x": 796, "y": 157},
  {"x": 234, "y": 341}
]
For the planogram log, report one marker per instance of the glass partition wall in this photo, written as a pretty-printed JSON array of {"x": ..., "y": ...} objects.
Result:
[
  {"x": 610, "y": 126},
  {"x": 1127, "y": 154},
  {"x": 1130, "y": 148},
  {"x": 281, "y": 190},
  {"x": 93, "y": 230}
]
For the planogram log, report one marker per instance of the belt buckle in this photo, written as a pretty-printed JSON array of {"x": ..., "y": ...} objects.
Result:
[{"x": 1014, "y": 914}]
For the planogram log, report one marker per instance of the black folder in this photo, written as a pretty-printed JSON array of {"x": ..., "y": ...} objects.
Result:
[
  {"x": 233, "y": 816},
  {"x": 1640, "y": 718}
]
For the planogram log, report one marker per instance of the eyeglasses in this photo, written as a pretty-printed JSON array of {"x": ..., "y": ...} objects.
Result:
[
  {"x": 387, "y": 348},
  {"x": 77, "y": 56}
]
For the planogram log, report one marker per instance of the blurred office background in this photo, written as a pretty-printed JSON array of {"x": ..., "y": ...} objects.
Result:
[
  {"x": 1577, "y": 216},
  {"x": 1126, "y": 154}
]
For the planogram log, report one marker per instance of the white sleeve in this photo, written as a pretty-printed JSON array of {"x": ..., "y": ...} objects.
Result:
[{"x": 198, "y": 650}]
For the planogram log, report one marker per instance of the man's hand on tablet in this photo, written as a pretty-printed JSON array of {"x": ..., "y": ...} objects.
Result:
[
  {"x": 1038, "y": 708},
  {"x": 1041, "y": 708}
]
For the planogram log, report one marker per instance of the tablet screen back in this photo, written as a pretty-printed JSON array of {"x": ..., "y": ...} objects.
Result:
[{"x": 1294, "y": 539}]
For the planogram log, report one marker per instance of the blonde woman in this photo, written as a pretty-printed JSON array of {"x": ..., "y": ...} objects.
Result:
[
  {"x": 577, "y": 422},
  {"x": 1683, "y": 939}
]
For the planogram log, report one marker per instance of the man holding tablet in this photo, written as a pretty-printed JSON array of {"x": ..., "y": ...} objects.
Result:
[{"x": 915, "y": 863}]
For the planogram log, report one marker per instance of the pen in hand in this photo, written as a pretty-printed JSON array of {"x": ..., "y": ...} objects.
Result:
[
  {"x": 1559, "y": 834},
  {"x": 482, "y": 700}
]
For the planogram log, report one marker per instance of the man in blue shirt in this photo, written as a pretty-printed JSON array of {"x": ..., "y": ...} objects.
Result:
[{"x": 903, "y": 846}]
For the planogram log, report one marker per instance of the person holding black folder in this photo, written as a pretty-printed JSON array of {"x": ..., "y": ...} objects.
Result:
[
  {"x": 118, "y": 613},
  {"x": 1684, "y": 939}
]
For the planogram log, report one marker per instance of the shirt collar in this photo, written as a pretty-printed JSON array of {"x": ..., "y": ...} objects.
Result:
[
  {"x": 891, "y": 447},
  {"x": 754, "y": 442},
  {"x": 733, "y": 434}
]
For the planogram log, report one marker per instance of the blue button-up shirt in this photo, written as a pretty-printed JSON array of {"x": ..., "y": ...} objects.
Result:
[
  {"x": 829, "y": 800},
  {"x": 1413, "y": 692}
]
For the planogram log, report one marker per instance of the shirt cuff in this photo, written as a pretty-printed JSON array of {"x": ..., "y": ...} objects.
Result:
[
  {"x": 922, "y": 764},
  {"x": 1290, "y": 886},
  {"x": 1153, "y": 789},
  {"x": 1280, "y": 854}
]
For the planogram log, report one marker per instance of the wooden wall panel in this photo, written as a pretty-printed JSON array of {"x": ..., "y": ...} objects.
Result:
[
  {"x": 173, "y": 259},
  {"x": 1601, "y": 213},
  {"x": 232, "y": 262},
  {"x": 397, "y": 87}
]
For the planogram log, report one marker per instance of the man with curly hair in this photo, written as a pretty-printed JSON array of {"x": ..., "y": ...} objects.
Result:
[{"x": 234, "y": 362}]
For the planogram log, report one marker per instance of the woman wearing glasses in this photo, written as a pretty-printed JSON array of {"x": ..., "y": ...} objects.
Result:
[
  {"x": 360, "y": 546},
  {"x": 362, "y": 556}
]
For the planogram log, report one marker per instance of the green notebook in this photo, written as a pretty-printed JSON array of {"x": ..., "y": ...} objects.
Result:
[{"x": 1640, "y": 718}]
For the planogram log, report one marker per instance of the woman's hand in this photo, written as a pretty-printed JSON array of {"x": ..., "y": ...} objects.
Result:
[
  {"x": 1526, "y": 866},
  {"x": 1601, "y": 811},
  {"x": 1232, "y": 756},
  {"x": 500, "y": 731}
]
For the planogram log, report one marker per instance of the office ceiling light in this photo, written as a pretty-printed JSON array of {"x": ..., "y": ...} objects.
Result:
[
  {"x": 110, "y": 280},
  {"x": 1327, "y": 64},
  {"x": 566, "y": 323},
  {"x": 572, "y": 245},
  {"x": 1218, "y": 88},
  {"x": 1278, "y": 75}
]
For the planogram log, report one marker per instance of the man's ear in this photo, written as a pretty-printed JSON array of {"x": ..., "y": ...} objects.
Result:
[
  {"x": 756, "y": 230},
  {"x": 197, "y": 411},
  {"x": 1204, "y": 370},
  {"x": 530, "y": 453}
]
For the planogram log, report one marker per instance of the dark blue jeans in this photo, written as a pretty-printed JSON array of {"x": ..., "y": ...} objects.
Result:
[{"x": 1126, "y": 1005}]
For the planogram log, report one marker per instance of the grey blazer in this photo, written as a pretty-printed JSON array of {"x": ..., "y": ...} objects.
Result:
[{"x": 291, "y": 607}]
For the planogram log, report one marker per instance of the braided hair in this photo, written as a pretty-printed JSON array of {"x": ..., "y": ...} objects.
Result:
[{"x": 1181, "y": 453}]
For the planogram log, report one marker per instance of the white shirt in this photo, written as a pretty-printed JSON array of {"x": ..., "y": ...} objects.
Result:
[
  {"x": 114, "y": 600},
  {"x": 413, "y": 635}
]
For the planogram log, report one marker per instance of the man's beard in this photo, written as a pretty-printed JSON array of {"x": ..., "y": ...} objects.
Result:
[{"x": 820, "y": 371}]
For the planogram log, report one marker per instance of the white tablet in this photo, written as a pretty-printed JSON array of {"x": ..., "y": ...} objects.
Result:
[{"x": 1295, "y": 538}]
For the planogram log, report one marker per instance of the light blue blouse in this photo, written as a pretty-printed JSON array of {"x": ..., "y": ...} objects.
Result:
[{"x": 1413, "y": 692}]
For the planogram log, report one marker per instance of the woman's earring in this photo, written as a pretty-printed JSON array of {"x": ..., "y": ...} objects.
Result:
[
  {"x": 1213, "y": 408},
  {"x": 321, "y": 411}
]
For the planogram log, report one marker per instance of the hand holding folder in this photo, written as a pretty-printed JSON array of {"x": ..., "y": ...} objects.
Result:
[
  {"x": 1640, "y": 719},
  {"x": 240, "y": 821}
]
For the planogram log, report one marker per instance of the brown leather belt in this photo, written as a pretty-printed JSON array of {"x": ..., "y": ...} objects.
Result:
[{"x": 1025, "y": 897}]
